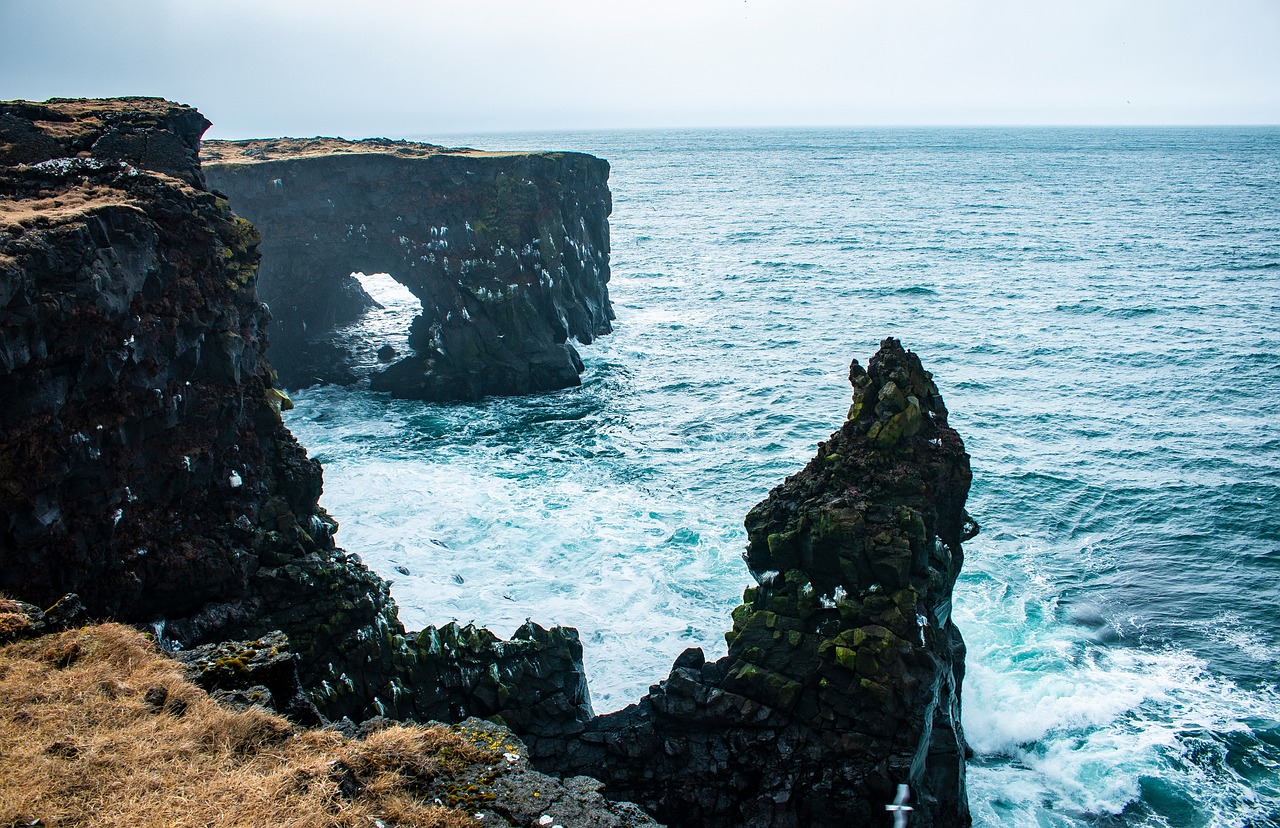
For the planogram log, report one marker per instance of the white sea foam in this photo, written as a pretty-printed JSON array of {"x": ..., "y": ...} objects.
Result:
[
  {"x": 619, "y": 561},
  {"x": 1064, "y": 724}
]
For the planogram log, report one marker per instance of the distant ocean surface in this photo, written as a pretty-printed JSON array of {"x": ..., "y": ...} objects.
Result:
[{"x": 1101, "y": 309}]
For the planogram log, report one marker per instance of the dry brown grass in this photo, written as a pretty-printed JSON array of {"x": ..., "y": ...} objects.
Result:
[
  {"x": 68, "y": 203},
  {"x": 258, "y": 150},
  {"x": 12, "y": 618},
  {"x": 81, "y": 745}
]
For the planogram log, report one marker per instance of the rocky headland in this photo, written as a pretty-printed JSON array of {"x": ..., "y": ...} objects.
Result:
[
  {"x": 145, "y": 468},
  {"x": 508, "y": 254},
  {"x": 144, "y": 465}
]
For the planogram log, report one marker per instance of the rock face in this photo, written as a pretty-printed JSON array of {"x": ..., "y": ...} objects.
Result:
[
  {"x": 844, "y": 669},
  {"x": 143, "y": 462},
  {"x": 507, "y": 252}
]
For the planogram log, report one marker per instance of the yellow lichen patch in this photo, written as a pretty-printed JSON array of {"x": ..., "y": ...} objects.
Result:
[
  {"x": 83, "y": 741},
  {"x": 279, "y": 400}
]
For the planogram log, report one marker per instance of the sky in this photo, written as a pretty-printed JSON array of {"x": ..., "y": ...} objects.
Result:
[{"x": 362, "y": 68}]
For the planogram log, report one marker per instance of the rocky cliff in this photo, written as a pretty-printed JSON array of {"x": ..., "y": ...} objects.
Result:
[
  {"x": 844, "y": 669},
  {"x": 507, "y": 252},
  {"x": 144, "y": 466},
  {"x": 143, "y": 461}
]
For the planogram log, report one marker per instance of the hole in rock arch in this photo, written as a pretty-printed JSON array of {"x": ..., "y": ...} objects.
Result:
[{"x": 379, "y": 326}]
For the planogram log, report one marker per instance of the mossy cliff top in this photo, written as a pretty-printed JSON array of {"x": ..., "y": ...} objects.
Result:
[
  {"x": 148, "y": 133},
  {"x": 259, "y": 150}
]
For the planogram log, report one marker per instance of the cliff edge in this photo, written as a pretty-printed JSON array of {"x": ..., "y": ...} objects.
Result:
[
  {"x": 144, "y": 466},
  {"x": 508, "y": 254}
]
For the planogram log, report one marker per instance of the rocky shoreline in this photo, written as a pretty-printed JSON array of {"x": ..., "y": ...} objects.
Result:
[
  {"x": 844, "y": 671},
  {"x": 146, "y": 469}
]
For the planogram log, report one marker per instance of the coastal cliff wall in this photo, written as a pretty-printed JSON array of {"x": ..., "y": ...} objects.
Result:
[
  {"x": 143, "y": 462},
  {"x": 508, "y": 254}
]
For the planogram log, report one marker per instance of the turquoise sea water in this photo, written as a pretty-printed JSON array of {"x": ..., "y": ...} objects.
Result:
[{"x": 1101, "y": 309}]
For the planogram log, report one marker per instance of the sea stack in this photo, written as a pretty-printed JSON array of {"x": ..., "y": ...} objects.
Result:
[
  {"x": 844, "y": 670},
  {"x": 508, "y": 254}
]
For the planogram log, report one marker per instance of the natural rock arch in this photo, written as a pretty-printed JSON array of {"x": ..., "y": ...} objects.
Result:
[{"x": 508, "y": 254}]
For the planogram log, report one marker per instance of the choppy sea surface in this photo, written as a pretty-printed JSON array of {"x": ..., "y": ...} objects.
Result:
[{"x": 1101, "y": 309}]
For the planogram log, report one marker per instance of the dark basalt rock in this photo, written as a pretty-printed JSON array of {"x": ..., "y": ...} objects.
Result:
[
  {"x": 844, "y": 668},
  {"x": 520, "y": 795},
  {"x": 263, "y": 671},
  {"x": 534, "y": 682},
  {"x": 143, "y": 461},
  {"x": 507, "y": 252}
]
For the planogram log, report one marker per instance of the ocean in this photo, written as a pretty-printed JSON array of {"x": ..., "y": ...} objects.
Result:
[{"x": 1101, "y": 310}]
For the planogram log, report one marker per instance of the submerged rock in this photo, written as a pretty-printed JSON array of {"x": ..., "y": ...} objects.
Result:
[
  {"x": 507, "y": 252},
  {"x": 844, "y": 669}
]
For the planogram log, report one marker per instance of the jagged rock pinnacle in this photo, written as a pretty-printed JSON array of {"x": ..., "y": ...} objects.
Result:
[{"x": 844, "y": 669}]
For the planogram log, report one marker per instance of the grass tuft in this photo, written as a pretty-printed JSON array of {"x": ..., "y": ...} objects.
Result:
[{"x": 83, "y": 742}]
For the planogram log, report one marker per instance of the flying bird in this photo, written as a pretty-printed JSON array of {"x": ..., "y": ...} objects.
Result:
[{"x": 899, "y": 808}]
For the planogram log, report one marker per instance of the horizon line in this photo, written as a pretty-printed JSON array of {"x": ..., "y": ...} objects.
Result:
[{"x": 424, "y": 136}]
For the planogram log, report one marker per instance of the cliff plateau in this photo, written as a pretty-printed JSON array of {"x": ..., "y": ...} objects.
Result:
[{"x": 508, "y": 254}]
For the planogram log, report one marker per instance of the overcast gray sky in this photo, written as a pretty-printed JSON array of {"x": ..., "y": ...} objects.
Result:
[{"x": 377, "y": 67}]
